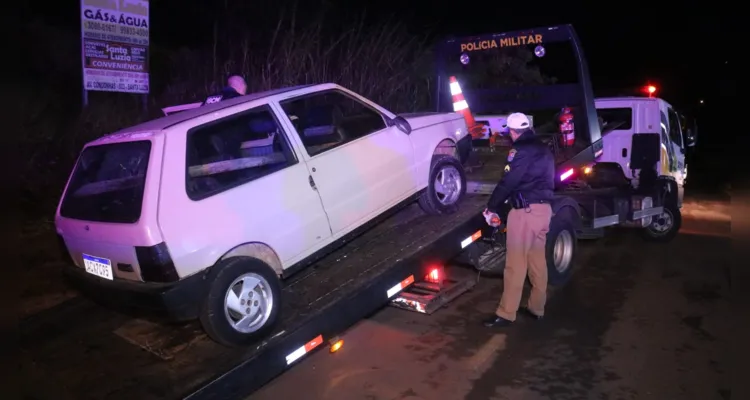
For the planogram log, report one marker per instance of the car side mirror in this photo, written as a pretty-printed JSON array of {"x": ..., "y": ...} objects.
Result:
[{"x": 402, "y": 124}]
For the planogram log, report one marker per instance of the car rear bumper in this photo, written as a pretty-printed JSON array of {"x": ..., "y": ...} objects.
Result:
[
  {"x": 464, "y": 147},
  {"x": 178, "y": 301}
]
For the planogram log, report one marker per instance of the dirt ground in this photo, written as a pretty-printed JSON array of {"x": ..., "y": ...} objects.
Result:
[{"x": 637, "y": 321}]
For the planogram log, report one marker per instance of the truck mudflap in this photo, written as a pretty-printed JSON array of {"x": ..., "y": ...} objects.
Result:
[
  {"x": 635, "y": 211},
  {"x": 437, "y": 289}
]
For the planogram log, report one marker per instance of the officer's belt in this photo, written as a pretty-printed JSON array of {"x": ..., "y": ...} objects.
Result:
[{"x": 516, "y": 206}]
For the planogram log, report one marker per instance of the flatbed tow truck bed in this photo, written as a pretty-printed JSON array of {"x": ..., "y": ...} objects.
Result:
[{"x": 82, "y": 350}]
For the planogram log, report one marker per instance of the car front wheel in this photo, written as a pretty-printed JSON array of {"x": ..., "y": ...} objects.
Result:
[{"x": 446, "y": 186}]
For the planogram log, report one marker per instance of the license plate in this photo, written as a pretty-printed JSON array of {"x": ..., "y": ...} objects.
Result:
[{"x": 98, "y": 266}]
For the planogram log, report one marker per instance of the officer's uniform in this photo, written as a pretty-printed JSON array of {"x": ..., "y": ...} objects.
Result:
[{"x": 528, "y": 184}]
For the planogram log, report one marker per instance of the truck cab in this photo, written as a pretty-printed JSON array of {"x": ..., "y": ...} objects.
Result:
[{"x": 622, "y": 118}]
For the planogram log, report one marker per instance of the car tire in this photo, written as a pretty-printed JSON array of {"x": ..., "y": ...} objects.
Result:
[
  {"x": 561, "y": 247},
  {"x": 261, "y": 298},
  {"x": 664, "y": 227},
  {"x": 434, "y": 202}
]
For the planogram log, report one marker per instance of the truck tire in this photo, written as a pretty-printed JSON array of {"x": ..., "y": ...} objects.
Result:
[
  {"x": 664, "y": 227},
  {"x": 243, "y": 301},
  {"x": 446, "y": 174},
  {"x": 561, "y": 246},
  {"x": 560, "y": 250}
]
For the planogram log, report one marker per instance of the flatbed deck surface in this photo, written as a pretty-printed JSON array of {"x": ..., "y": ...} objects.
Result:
[{"x": 80, "y": 350}]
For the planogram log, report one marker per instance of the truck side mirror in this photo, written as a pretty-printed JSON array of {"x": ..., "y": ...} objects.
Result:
[
  {"x": 402, "y": 124},
  {"x": 690, "y": 138}
]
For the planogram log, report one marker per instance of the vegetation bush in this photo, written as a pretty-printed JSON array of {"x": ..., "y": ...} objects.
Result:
[{"x": 382, "y": 60}]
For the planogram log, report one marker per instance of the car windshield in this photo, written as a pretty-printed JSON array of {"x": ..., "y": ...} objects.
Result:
[{"x": 108, "y": 183}]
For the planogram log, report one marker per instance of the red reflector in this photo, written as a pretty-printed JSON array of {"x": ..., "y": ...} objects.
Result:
[{"x": 435, "y": 275}]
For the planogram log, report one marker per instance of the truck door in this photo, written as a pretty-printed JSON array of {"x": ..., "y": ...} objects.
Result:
[
  {"x": 616, "y": 121},
  {"x": 666, "y": 163},
  {"x": 678, "y": 145}
]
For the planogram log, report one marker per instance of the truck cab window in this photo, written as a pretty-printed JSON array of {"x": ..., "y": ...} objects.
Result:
[{"x": 611, "y": 119}]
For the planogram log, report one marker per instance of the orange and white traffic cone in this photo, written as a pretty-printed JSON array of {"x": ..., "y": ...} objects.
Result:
[{"x": 460, "y": 105}]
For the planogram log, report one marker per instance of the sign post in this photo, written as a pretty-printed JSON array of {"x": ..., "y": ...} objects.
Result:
[{"x": 115, "y": 46}]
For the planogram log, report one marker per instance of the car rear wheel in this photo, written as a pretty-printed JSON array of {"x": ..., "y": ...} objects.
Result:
[
  {"x": 243, "y": 301},
  {"x": 446, "y": 186}
]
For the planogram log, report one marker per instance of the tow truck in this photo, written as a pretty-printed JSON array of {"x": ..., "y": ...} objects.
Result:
[
  {"x": 81, "y": 350},
  {"x": 593, "y": 192},
  {"x": 620, "y": 118}
]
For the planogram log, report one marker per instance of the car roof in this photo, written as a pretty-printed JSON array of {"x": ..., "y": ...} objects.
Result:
[{"x": 162, "y": 123}]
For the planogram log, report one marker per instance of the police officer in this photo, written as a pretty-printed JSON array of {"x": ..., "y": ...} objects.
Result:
[
  {"x": 528, "y": 185},
  {"x": 236, "y": 87}
]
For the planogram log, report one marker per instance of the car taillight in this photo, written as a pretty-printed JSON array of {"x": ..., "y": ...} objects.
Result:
[{"x": 156, "y": 263}]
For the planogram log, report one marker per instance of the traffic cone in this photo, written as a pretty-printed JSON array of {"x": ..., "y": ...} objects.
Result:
[{"x": 460, "y": 105}]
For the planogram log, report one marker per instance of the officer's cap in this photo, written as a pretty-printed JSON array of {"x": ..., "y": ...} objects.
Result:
[{"x": 517, "y": 121}]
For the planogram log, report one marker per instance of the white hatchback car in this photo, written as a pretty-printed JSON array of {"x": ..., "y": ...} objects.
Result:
[{"x": 200, "y": 213}]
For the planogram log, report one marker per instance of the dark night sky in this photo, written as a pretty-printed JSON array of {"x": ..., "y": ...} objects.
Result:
[
  {"x": 684, "y": 51},
  {"x": 683, "y": 55}
]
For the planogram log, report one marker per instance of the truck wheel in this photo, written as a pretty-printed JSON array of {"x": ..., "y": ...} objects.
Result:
[
  {"x": 664, "y": 227},
  {"x": 243, "y": 301},
  {"x": 561, "y": 247},
  {"x": 446, "y": 186}
]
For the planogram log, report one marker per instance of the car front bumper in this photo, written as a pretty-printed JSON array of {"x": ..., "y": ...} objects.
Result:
[{"x": 177, "y": 301}]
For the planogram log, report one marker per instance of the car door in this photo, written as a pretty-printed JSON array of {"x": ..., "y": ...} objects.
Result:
[
  {"x": 359, "y": 164},
  {"x": 244, "y": 183}
]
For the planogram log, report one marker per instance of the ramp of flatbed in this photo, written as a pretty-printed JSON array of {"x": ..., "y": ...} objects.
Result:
[{"x": 79, "y": 350}]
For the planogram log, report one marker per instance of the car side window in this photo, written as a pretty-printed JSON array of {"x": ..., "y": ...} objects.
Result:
[
  {"x": 329, "y": 119},
  {"x": 226, "y": 153}
]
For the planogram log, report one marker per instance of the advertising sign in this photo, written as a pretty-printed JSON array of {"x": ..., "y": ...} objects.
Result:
[{"x": 114, "y": 45}]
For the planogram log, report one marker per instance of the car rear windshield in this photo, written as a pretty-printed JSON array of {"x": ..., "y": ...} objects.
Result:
[{"x": 108, "y": 182}]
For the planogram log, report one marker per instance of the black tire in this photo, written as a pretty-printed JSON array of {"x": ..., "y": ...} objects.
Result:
[
  {"x": 489, "y": 260},
  {"x": 562, "y": 232},
  {"x": 652, "y": 233},
  {"x": 429, "y": 200},
  {"x": 216, "y": 321}
]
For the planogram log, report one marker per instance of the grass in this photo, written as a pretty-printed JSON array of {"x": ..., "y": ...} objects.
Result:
[{"x": 382, "y": 62}]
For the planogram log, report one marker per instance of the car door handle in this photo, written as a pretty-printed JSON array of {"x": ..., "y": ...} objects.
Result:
[{"x": 312, "y": 182}]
